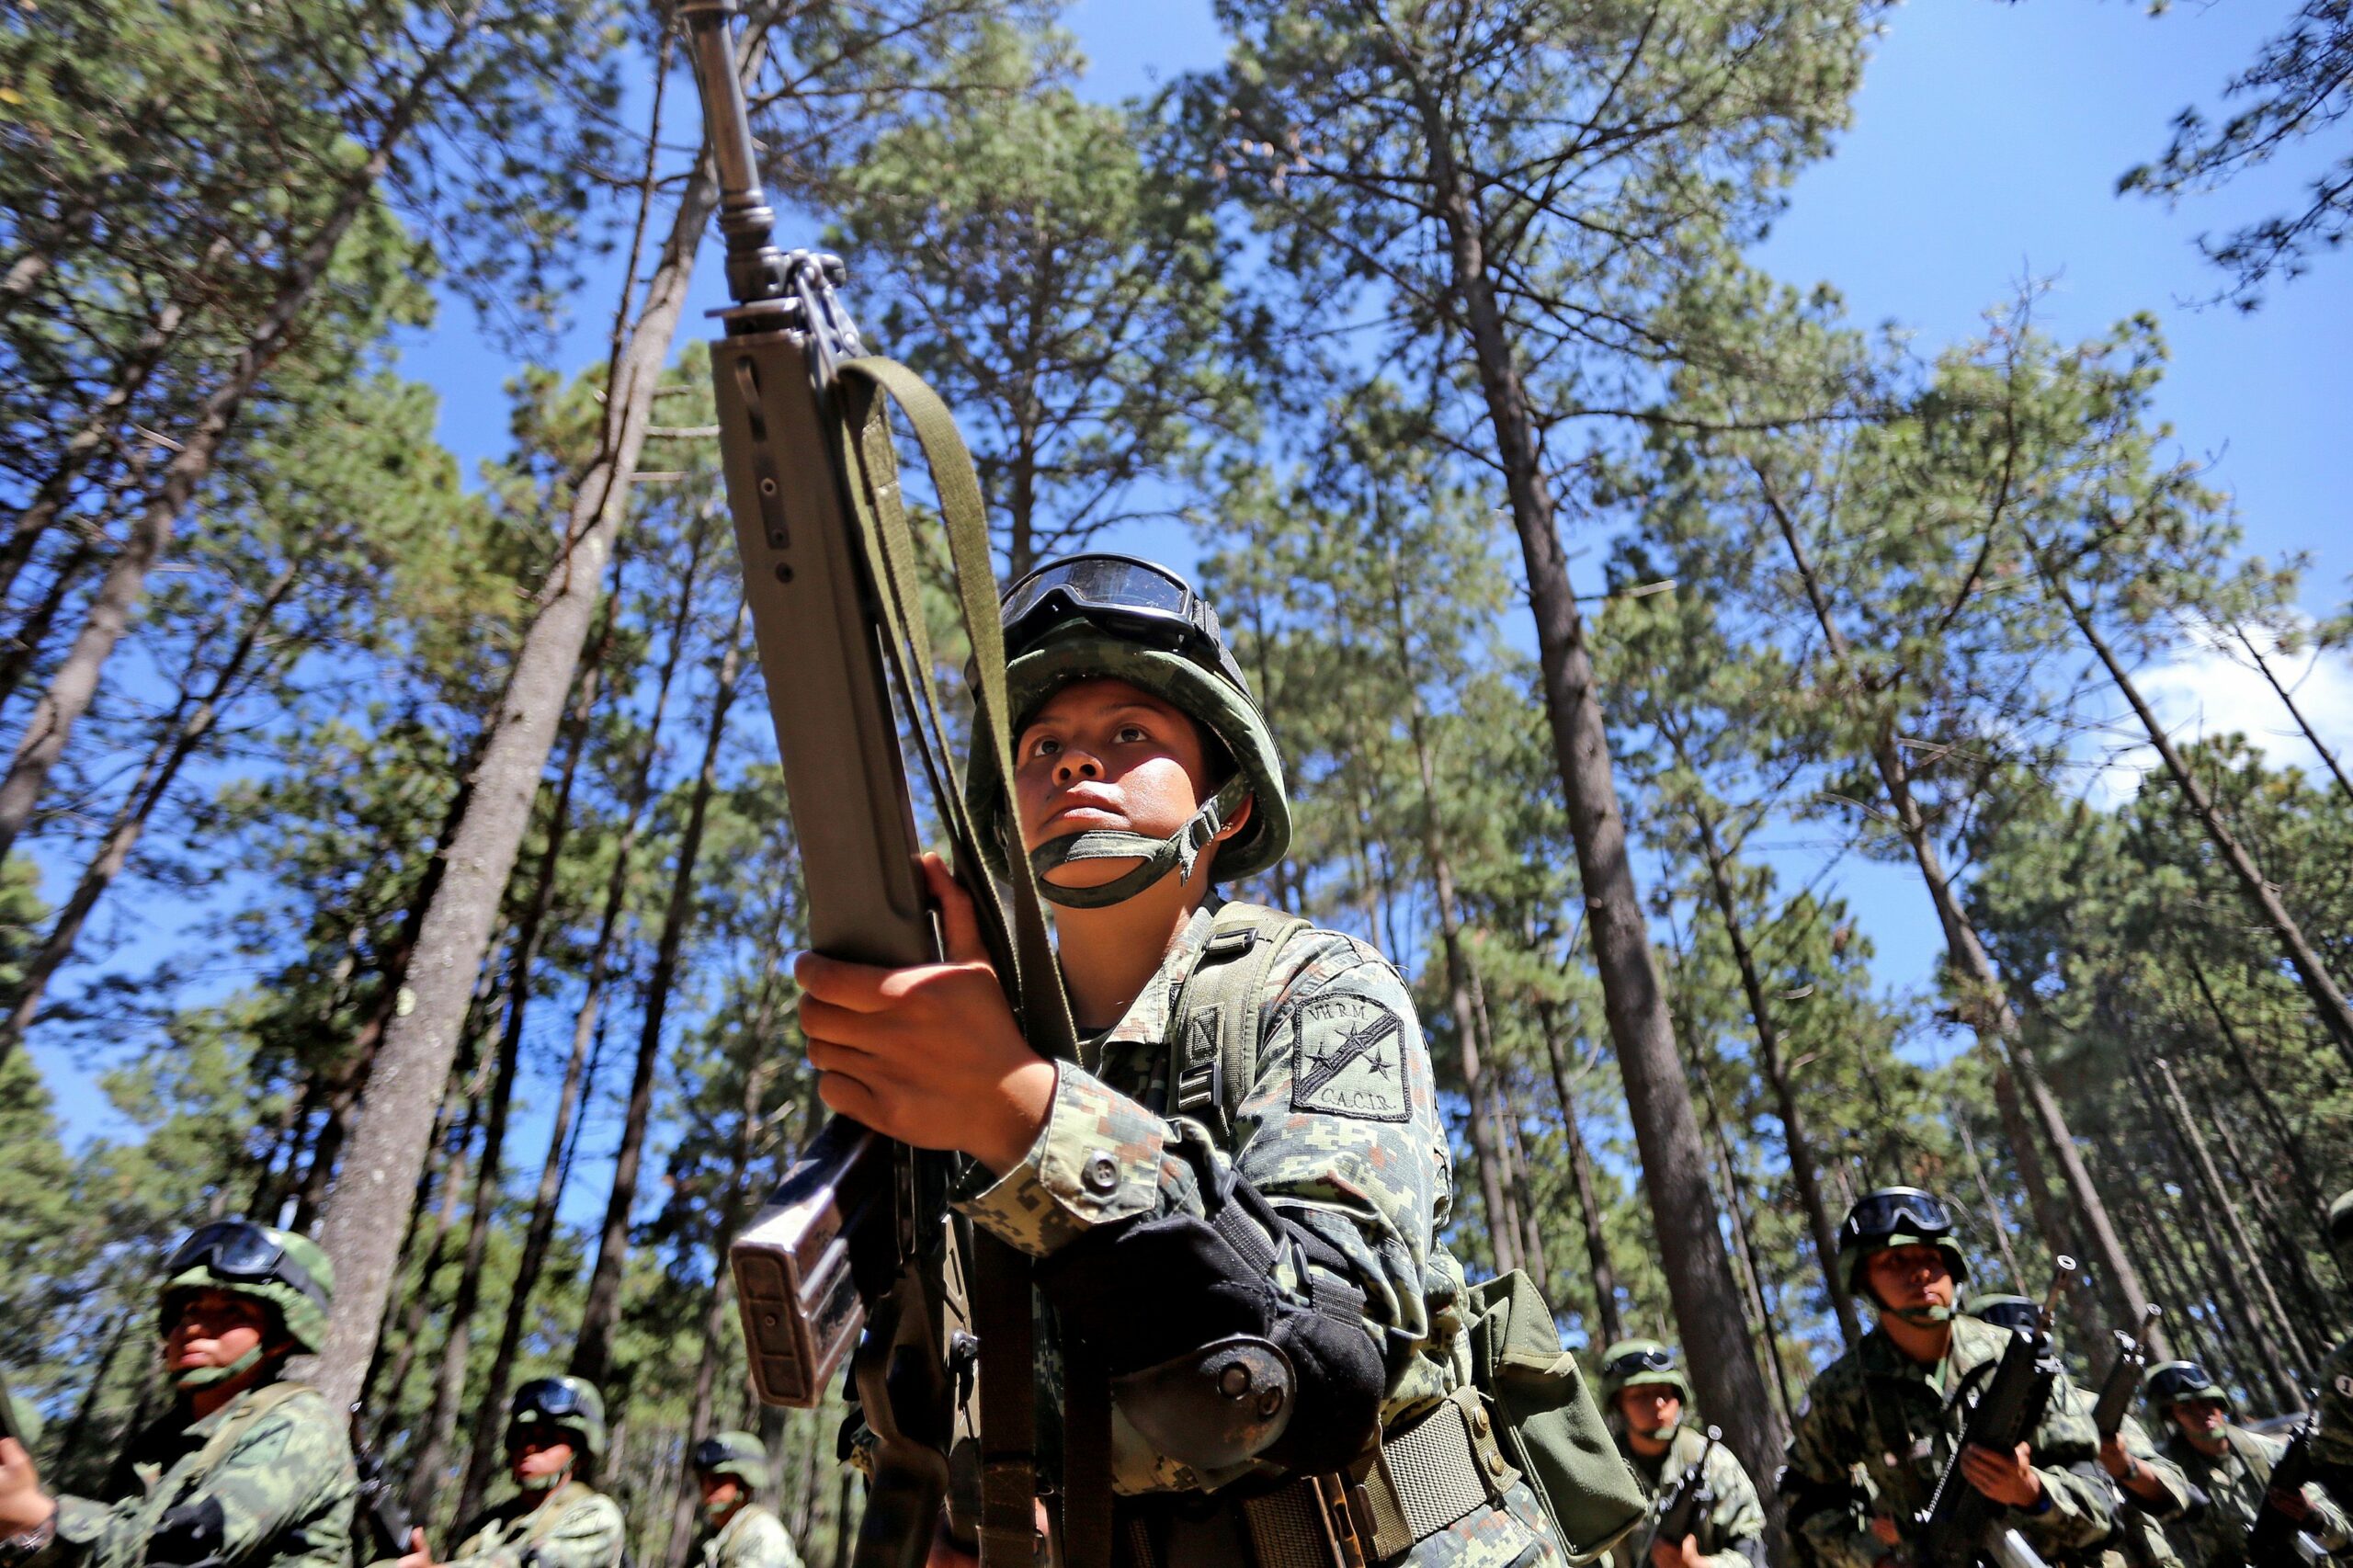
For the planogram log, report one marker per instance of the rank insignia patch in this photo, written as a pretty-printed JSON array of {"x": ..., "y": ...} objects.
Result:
[{"x": 1349, "y": 1058}]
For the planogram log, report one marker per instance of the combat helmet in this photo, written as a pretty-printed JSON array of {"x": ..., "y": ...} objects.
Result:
[
  {"x": 1631, "y": 1363},
  {"x": 1894, "y": 1217},
  {"x": 2179, "y": 1382},
  {"x": 288, "y": 1272},
  {"x": 2340, "y": 1219},
  {"x": 736, "y": 1453},
  {"x": 2020, "y": 1313},
  {"x": 1085, "y": 617},
  {"x": 566, "y": 1404}
]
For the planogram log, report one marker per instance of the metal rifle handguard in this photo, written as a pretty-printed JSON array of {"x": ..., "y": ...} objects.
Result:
[
  {"x": 1958, "y": 1524},
  {"x": 1675, "y": 1514},
  {"x": 2122, "y": 1384}
]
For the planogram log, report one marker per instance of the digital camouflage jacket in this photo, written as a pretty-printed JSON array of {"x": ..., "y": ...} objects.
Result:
[
  {"x": 1731, "y": 1532},
  {"x": 1339, "y": 1130},
  {"x": 2333, "y": 1441},
  {"x": 264, "y": 1482},
  {"x": 752, "y": 1537},
  {"x": 2234, "y": 1482},
  {"x": 575, "y": 1526},
  {"x": 1876, "y": 1408}
]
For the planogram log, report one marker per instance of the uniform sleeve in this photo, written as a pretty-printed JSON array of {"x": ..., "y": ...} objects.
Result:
[
  {"x": 2331, "y": 1442},
  {"x": 2082, "y": 1500},
  {"x": 1819, "y": 1487},
  {"x": 2169, "y": 1476},
  {"x": 763, "y": 1543},
  {"x": 1339, "y": 1131},
  {"x": 587, "y": 1535},
  {"x": 1736, "y": 1524},
  {"x": 2329, "y": 1525}
]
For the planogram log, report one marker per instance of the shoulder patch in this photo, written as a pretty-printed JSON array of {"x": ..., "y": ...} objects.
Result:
[
  {"x": 2344, "y": 1384},
  {"x": 1349, "y": 1059}
]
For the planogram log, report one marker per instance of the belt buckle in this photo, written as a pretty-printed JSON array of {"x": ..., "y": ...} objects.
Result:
[{"x": 1334, "y": 1504}]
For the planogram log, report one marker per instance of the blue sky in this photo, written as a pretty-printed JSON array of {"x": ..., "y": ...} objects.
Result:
[{"x": 1987, "y": 143}]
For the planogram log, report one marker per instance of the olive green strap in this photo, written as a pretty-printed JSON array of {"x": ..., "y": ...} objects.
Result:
[{"x": 1180, "y": 849}]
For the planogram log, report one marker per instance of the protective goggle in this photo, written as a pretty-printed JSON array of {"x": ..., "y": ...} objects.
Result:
[
  {"x": 2173, "y": 1383},
  {"x": 1897, "y": 1210},
  {"x": 242, "y": 1251},
  {"x": 1634, "y": 1361},
  {"x": 711, "y": 1453},
  {"x": 550, "y": 1397},
  {"x": 1135, "y": 600}
]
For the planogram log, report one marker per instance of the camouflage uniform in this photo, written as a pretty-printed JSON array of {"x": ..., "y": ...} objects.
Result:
[
  {"x": 752, "y": 1537},
  {"x": 1842, "y": 1424},
  {"x": 278, "y": 1490},
  {"x": 2333, "y": 1436},
  {"x": 1339, "y": 1130},
  {"x": 573, "y": 1526},
  {"x": 2140, "y": 1524},
  {"x": 2234, "y": 1482},
  {"x": 1732, "y": 1533}
]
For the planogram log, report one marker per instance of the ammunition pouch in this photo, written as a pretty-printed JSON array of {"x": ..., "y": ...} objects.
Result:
[{"x": 190, "y": 1536}]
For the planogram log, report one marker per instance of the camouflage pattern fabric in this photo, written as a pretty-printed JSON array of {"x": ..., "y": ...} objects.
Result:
[
  {"x": 2233, "y": 1481},
  {"x": 1339, "y": 1130},
  {"x": 1838, "y": 1432},
  {"x": 575, "y": 1526},
  {"x": 2146, "y": 1542},
  {"x": 1731, "y": 1532},
  {"x": 2333, "y": 1438},
  {"x": 279, "y": 1491},
  {"x": 752, "y": 1537}
]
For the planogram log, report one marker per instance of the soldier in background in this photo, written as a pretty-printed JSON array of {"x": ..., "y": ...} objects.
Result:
[
  {"x": 555, "y": 1429},
  {"x": 2332, "y": 1443},
  {"x": 2230, "y": 1467},
  {"x": 737, "y": 1531},
  {"x": 247, "y": 1469},
  {"x": 1887, "y": 1407},
  {"x": 1644, "y": 1395}
]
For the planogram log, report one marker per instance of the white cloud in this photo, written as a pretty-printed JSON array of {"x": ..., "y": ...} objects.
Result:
[{"x": 2205, "y": 692}]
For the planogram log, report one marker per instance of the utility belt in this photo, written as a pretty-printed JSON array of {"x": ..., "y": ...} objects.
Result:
[{"x": 1423, "y": 1477}]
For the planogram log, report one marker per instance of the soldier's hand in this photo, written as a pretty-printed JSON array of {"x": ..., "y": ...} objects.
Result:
[
  {"x": 929, "y": 1055},
  {"x": 1883, "y": 1530},
  {"x": 2113, "y": 1459},
  {"x": 419, "y": 1555},
  {"x": 2291, "y": 1502},
  {"x": 2008, "y": 1479},
  {"x": 1684, "y": 1553},
  {"x": 23, "y": 1505}
]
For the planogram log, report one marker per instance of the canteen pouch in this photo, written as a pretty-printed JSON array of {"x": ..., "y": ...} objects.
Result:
[{"x": 1545, "y": 1418}]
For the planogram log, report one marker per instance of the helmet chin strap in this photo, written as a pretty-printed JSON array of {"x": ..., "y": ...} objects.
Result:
[
  {"x": 1180, "y": 850},
  {"x": 197, "y": 1377},
  {"x": 1920, "y": 1317},
  {"x": 548, "y": 1481}
]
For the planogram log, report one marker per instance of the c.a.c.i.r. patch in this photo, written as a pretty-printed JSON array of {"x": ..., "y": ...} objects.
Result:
[{"x": 1349, "y": 1058}]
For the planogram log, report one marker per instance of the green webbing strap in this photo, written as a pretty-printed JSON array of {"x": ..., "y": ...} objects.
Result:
[
  {"x": 1180, "y": 849},
  {"x": 1023, "y": 953},
  {"x": 1214, "y": 1042}
]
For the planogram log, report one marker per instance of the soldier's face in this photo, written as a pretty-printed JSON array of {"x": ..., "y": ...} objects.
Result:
[
  {"x": 1915, "y": 1276},
  {"x": 534, "y": 1456},
  {"x": 1650, "y": 1409},
  {"x": 721, "y": 1491},
  {"x": 1103, "y": 754},
  {"x": 214, "y": 1328},
  {"x": 2200, "y": 1418}
]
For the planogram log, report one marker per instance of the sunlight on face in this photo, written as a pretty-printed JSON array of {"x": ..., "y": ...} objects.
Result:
[
  {"x": 214, "y": 1328},
  {"x": 1103, "y": 754}
]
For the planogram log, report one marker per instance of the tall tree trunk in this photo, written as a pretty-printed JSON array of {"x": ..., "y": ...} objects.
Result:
[
  {"x": 1984, "y": 1003},
  {"x": 1744, "y": 1245},
  {"x": 2308, "y": 1187},
  {"x": 360, "y": 1234},
  {"x": 592, "y": 1351},
  {"x": 189, "y": 725},
  {"x": 2161, "y": 1243},
  {"x": 1523, "y": 1194},
  {"x": 1596, "y": 1242},
  {"x": 77, "y": 679},
  {"x": 2313, "y": 1310},
  {"x": 2328, "y": 997},
  {"x": 393, "y": 1354},
  {"x": 1795, "y": 1138},
  {"x": 2278, "y": 1325},
  {"x": 2288, "y": 700},
  {"x": 23, "y": 646},
  {"x": 1993, "y": 1210}
]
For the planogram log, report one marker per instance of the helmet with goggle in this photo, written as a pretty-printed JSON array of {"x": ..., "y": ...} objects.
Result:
[
  {"x": 739, "y": 1454},
  {"x": 2181, "y": 1383},
  {"x": 1100, "y": 616},
  {"x": 1897, "y": 1217},
  {"x": 288, "y": 1272},
  {"x": 1632, "y": 1363},
  {"x": 2000, "y": 1308},
  {"x": 566, "y": 1405}
]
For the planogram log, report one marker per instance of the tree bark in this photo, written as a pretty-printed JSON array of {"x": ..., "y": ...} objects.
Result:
[
  {"x": 77, "y": 679},
  {"x": 2308, "y": 1187},
  {"x": 2328, "y": 997},
  {"x": 1992, "y": 1209},
  {"x": 361, "y": 1230},
  {"x": 1596, "y": 1242},
  {"x": 592, "y": 1351},
  {"x": 189, "y": 725},
  {"x": 1985, "y": 1005},
  {"x": 391, "y": 1374},
  {"x": 1744, "y": 1245},
  {"x": 24, "y": 645},
  {"x": 1699, "y": 1271},
  {"x": 2288, "y": 700}
]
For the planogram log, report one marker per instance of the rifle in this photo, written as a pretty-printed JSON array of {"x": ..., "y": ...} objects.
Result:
[
  {"x": 2274, "y": 1537},
  {"x": 2123, "y": 1384},
  {"x": 853, "y": 1246},
  {"x": 1676, "y": 1512},
  {"x": 1958, "y": 1527},
  {"x": 387, "y": 1521}
]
